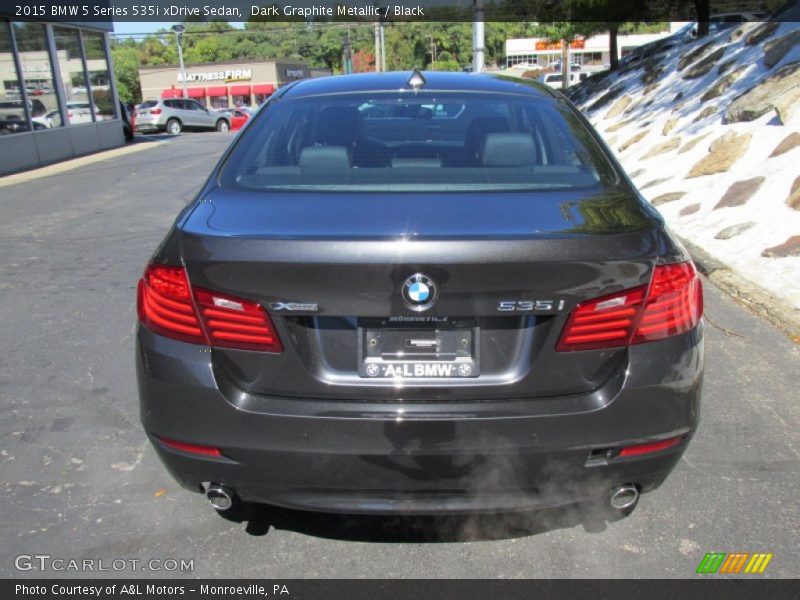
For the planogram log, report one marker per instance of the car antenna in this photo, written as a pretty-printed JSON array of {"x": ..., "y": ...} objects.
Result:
[{"x": 416, "y": 80}]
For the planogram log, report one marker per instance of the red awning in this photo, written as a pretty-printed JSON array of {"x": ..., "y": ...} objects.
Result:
[
  {"x": 240, "y": 90},
  {"x": 171, "y": 93},
  {"x": 264, "y": 88},
  {"x": 196, "y": 92},
  {"x": 217, "y": 91}
]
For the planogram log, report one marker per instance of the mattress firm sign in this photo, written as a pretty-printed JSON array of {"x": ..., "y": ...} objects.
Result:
[{"x": 226, "y": 76}]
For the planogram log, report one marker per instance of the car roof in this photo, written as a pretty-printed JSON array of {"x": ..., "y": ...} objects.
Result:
[{"x": 435, "y": 81}]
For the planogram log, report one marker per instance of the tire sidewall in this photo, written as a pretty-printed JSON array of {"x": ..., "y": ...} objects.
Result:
[
  {"x": 171, "y": 123},
  {"x": 223, "y": 126}
]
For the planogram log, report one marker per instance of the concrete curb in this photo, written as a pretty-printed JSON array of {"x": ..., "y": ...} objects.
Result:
[
  {"x": 81, "y": 161},
  {"x": 751, "y": 296}
]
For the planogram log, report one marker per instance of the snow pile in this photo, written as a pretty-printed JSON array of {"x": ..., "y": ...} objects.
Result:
[{"x": 736, "y": 203}]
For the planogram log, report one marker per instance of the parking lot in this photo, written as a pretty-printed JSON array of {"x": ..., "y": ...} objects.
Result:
[{"x": 80, "y": 480}]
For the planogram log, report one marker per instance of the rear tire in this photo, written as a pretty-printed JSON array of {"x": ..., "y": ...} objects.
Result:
[
  {"x": 174, "y": 127},
  {"x": 223, "y": 125}
]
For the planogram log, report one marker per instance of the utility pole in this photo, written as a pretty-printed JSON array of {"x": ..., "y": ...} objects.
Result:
[
  {"x": 433, "y": 53},
  {"x": 377, "y": 46},
  {"x": 347, "y": 55},
  {"x": 383, "y": 48},
  {"x": 179, "y": 29},
  {"x": 478, "y": 37}
]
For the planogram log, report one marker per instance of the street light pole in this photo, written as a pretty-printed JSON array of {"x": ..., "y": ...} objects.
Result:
[{"x": 179, "y": 29}]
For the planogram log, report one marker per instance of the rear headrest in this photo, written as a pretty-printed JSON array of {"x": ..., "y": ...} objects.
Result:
[
  {"x": 508, "y": 150},
  {"x": 324, "y": 157},
  {"x": 478, "y": 128}
]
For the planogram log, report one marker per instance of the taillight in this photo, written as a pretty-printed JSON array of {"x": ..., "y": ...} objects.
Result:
[
  {"x": 168, "y": 305},
  {"x": 165, "y": 304},
  {"x": 674, "y": 303},
  {"x": 155, "y": 111},
  {"x": 671, "y": 304},
  {"x": 236, "y": 323},
  {"x": 639, "y": 449}
]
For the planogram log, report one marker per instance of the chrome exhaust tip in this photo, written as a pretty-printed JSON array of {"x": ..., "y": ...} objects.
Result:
[
  {"x": 220, "y": 496},
  {"x": 625, "y": 496}
]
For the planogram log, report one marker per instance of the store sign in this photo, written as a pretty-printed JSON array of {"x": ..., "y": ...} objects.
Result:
[
  {"x": 295, "y": 73},
  {"x": 226, "y": 76},
  {"x": 540, "y": 45}
]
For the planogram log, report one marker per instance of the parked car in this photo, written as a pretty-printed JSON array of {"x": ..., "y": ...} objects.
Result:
[
  {"x": 556, "y": 65},
  {"x": 468, "y": 310},
  {"x": 80, "y": 112},
  {"x": 554, "y": 80},
  {"x": 238, "y": 118},
  {"x": 175, "y": 115},
  {"x": 8, "y": 126}
]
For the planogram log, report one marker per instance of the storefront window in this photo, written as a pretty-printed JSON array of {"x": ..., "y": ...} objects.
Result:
[
  {"x": 219, "y": 102},
  {"x": 12, "y": 110},
  {"x": 37, "y": 73},
  {"x": 73, "y": 78},
  {"x": 99, "y": 78}
]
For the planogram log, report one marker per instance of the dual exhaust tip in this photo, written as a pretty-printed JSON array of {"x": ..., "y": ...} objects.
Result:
[
  {"x": 623, "y": 497},
  {"x": 220, "y": 496}
]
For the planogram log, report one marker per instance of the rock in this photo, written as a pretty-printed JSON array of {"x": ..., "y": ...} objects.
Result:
[
  {"x": 652, "y": 75},
  {"x": 669, "y": 126},
  {"x": 669, "y": 197},
  {"x": 610, "y": 95},
  {"x": 638, "y": 137},
  {"x": 655, "y": 182},
  {"x": 761, "y": 32},
  {"x": 619, "y": 125},
  {"x": 705, "y": 113},
  {"x": 722, "y": 84},
  {"x": 793, "y": 201},
  {"x": 740, "y": 192},
  {"x": 786, "y": 105},
  {"x": 741, "y": 30},
  {"x": 649, "y": 88},
  {"x": 724, "y": 151},
  {"x": 704, "y": 65},
  {"x": 689, "y": 210},
  {"x": 618, "y": 107},
  {"x": 775, "y": 50},
  {"x": 790, "y": 247},
  {"x": 692, "y": 55},
  {"x": 790, "y": 142},
  {"x": 760, "y": 99},
  {"x": 692, "y": 143},
  {"x": 726, "y": 66},
  {"x": 631, "y": 107},
  {"x": 636, "y": 173},
  {"x": 611, "y": 141},
  {"x": 734, "y": 230},
  {"x": 663, "y": 147}
]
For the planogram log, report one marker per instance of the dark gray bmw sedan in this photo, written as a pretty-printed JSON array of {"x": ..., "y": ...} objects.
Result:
[{"x": 419, "y": 293}]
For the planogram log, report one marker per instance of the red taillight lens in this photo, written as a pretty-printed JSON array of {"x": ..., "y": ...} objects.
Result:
[
  {"x": 165, "y": 304},
  {"x": 673, "y": 305},
  {"x": 155, "y": 111},
  {"x": 236, "y": 323},
  {"x": 168, "y": 305},
  {"x": 640, "y": 449},
  {"x": 191, "y": 448},
  {"x": 603, "y": 322}
]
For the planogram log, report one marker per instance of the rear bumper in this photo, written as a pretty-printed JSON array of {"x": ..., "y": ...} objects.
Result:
[{"x": 420, "y": 458}]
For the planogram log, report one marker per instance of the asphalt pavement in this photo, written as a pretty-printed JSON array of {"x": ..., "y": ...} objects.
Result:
[{"x": 80, "y": 481}]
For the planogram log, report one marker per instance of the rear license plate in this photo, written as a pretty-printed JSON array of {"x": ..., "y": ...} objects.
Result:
[{"x": 444, "y": 350}]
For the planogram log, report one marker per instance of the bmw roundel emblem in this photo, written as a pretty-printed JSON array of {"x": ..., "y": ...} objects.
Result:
[{"x": 419, "y": 292}]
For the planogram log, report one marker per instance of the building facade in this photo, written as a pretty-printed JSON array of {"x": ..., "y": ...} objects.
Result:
[
  {"x": 591, "y": 53},
  {"x": 222, "y": 85},
  {"x": 58, "y": 97}
]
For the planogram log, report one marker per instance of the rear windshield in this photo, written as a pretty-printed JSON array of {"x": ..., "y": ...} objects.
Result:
[
  {"x": 148, "y": 104},
  {"x": 443, "y": 142}
]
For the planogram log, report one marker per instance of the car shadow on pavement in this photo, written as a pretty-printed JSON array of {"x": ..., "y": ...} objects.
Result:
[{"x": 417, "y": 529}]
